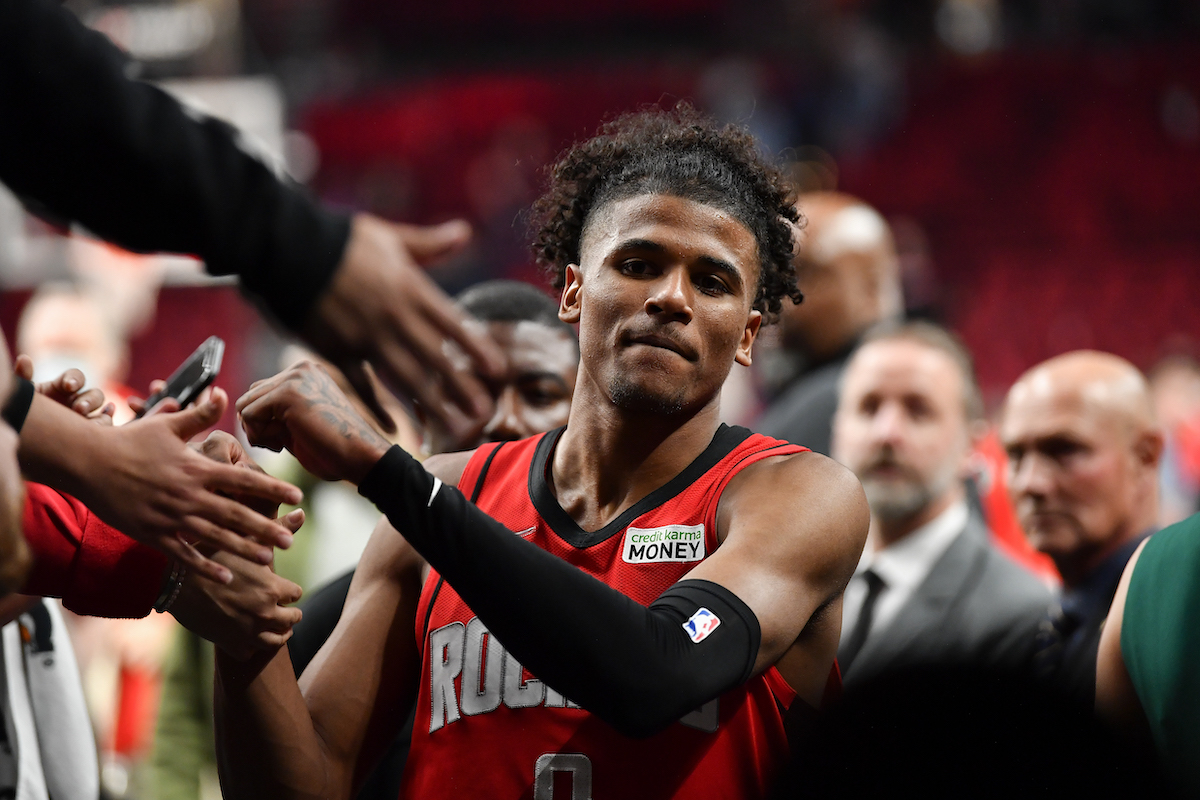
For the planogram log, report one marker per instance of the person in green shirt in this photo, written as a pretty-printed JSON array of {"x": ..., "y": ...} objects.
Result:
[{"x": 1148, "y": 671}]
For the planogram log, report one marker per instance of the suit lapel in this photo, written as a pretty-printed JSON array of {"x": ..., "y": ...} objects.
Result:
[{"x": 930, "y": 604}]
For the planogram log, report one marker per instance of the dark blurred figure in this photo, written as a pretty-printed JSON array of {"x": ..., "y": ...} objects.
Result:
[
  {"x": 922, "y": 291},
  {"x": 930, "y": 588},
  {"x": 126, "y": 160},
  {"x": 953, "y": 732},
  {"x": 534, "y": 396},
  {"x": 15, "y": 557},
  {"x": 1083, "y": 453},
  {"x": 849, "y": 273}
]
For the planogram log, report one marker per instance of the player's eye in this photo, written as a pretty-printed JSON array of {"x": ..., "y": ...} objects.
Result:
[
  {"x": 636, "y": 266},
  {"x": 711, "y": 284}
]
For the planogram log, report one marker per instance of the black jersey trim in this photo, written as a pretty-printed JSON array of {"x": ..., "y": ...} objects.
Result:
[
  {"x": 483, "y": 471},
  {"x": 724, "y": 442}
]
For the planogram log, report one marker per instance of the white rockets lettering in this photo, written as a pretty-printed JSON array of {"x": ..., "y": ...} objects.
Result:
[{"x": 491, "y": 677}]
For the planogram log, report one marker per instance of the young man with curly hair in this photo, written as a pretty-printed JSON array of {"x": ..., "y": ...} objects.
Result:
[{"x": 623, "y": 605}]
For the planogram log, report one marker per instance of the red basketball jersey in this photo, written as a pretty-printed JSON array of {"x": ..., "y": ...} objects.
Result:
[{"x": 486, "y": 728}]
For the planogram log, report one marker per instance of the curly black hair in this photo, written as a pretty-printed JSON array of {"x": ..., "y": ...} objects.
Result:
[{"x": 679, "y": 153}]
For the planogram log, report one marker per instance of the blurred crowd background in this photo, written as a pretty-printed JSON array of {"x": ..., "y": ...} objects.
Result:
[{"x": 1038, "y": 161}]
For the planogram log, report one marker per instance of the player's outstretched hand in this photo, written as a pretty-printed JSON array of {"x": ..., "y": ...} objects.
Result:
[
  {"x": 144, "y": 480},
  {"x": 302, "y": 409},
  {"x": 248, "y": 615},
  {"x": 382, "y": 308},
  {"x": 67, "y": 390}
]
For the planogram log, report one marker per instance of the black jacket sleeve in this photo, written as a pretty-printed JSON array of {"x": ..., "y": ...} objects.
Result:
[{"x": 128, "y": 162}]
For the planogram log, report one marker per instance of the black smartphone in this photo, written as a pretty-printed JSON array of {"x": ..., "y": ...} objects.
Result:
[{"x": 193, "y": 375}]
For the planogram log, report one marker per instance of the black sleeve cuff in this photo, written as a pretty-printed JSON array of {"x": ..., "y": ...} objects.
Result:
[
  {"x": 16, "y": 408},
  {"x": 686, "y": 596},
  {"x": 386, "y": 477}
]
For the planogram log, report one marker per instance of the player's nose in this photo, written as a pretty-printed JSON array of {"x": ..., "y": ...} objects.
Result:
[{"x": 671, "y": 296}]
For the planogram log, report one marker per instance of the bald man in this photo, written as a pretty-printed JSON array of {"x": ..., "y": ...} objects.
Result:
[
  {"x": 1083, "y": 452},
  {"x": 848, "y": 270}
]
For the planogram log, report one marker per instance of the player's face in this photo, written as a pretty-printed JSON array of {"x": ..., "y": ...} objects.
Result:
[
  {"x": 1072, "y": 470},
  {"x": 901, "y": 426},
  {"x": 663, "y": 299},
  {"x": 535, "y": 394}
]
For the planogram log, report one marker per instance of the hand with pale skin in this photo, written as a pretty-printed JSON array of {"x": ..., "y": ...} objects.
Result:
[
  {"x": 381, "y": 307},
  {"x": 303, "y": 410},
  {"x": 67, "y": 390},
  {"x": 144, "y": 480}
]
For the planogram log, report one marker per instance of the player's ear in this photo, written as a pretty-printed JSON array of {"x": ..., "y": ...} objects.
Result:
[
  {"x": 568, "y": 304},
  {"x": 749, "y": 333}
]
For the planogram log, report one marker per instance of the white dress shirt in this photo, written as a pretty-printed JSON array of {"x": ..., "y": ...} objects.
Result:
[{"x": 903, "y": 566}]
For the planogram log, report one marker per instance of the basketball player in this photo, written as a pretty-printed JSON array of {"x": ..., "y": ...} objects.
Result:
[{"x": 634, "y": 596}]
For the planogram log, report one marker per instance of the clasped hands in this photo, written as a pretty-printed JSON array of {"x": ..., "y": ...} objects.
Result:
[{"x": 229, "y": 593}]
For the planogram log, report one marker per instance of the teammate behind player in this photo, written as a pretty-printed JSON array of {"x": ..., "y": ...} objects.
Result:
[
  {"x": 542, "y": 353},
  {"x": 663, "y": 566}
]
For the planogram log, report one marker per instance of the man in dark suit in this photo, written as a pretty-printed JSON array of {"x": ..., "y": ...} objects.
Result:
[
  {"x": 929, "y": 589},
  {"x": 847, "y": 267}
]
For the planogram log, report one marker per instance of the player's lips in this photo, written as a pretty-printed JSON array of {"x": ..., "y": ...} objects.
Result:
[{"x": 663, "y": 342}]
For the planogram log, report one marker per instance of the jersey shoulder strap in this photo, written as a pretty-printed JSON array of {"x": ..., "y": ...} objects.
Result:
[
  {"x": 753, "y": 448},
  {"x": 474, "y": 474}
]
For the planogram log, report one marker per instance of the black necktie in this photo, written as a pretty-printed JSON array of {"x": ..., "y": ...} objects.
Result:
[
  {"x": 858, "y": 636},
  {"x": 1051, "y": 639}
]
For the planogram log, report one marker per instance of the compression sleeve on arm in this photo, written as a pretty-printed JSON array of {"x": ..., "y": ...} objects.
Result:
[
  {"x": 127, "y": 161},
  {"x": 637, "y": 668}
]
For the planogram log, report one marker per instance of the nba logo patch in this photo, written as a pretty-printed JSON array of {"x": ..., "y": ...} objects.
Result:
[{"x": 701, "y": 624}]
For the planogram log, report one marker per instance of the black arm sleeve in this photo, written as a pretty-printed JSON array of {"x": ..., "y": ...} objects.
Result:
[
  {"x": 123, "y": 158},
  {"x": 637, "y": 668}
]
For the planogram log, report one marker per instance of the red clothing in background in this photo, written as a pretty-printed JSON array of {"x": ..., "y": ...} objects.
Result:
[{"x": 992, "y": 468}]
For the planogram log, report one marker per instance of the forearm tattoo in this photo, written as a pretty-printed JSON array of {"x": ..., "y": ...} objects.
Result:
[{"x": 324, "y": 397}]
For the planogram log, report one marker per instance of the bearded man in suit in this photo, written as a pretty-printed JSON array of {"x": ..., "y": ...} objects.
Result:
[{"x": 929, "y": 588}]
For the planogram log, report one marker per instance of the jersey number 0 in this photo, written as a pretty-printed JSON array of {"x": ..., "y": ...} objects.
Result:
[{"x": 577, "y": 764}]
